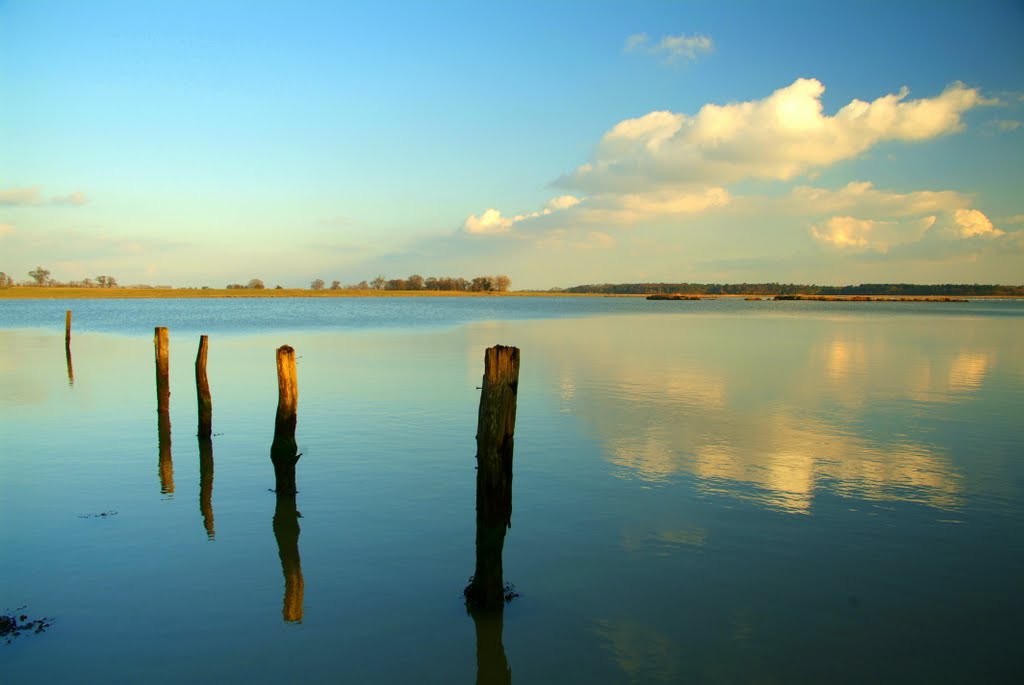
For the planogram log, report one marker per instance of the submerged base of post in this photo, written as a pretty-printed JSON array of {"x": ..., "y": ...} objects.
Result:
[
  {"x": 486, "y": 590},
  {"x": 284, "y": 455}
]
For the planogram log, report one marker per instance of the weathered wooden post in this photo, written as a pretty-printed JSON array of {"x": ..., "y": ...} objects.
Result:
[
  {"x": 163, "y": 385},
  {"x": 206, "y": 484},
  {"x": 67, "y": 331},
  {"x": 203, "y": 390},
  {"x": 286, "y": 532},
  {"x": 163, "y": 405},
  {"x": 494, "y": 443},
  {"x": 284, "y": 451}
]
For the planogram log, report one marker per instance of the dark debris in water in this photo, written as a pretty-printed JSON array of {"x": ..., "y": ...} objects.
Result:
[
  {"x": 100, "y": 515},
  {"x": 13, "y": 625}
]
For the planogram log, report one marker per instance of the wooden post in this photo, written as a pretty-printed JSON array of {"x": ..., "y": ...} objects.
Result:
[
  {"x": 203, "y": 391},
  {"x": 206, "y": 485},
  {"x": 67, "y": 331},
  {"x": 284, "y": 451},
  {"x": 494, "y": 444},
  {"x": 163, "y": 385},
  {"x": 286, "y": 532}
]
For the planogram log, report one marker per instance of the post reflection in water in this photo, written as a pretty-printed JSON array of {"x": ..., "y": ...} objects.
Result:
[
  {"x": 206, "y": 484},
  {"x": 166, "y": 467},
  {"x": 71, "y": 367},
  {"x": 491, "y": 663},
  {"x": 286, "y": 532}
]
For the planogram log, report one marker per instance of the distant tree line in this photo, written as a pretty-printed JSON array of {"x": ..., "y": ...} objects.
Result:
[
  {"x": 895, "y": 289},
  {"x": 498, "y": 284},
  {"x": 41, "y": 277}
]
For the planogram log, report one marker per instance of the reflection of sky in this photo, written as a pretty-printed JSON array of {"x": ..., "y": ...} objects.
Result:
[{"x": 772, "y": 409}]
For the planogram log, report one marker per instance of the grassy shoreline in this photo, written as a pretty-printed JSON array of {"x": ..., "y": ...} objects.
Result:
[{"x": 63, "y": 293}]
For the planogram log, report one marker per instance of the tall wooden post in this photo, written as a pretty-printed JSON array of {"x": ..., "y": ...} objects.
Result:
[
  {"x": 494, "y": 444},
  {"x": 163, "y": 406},
  {"x": 284, "y": 450},
  {"x": 203, "y": 390},
  {"x": 67, "y": 331},
  {"x": 163, "y": 385}
]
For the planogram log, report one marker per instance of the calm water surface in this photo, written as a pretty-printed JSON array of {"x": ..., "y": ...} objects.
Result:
[{"x": 710, "y": 492}]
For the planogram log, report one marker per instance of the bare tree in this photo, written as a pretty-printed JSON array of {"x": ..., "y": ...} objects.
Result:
[
  {"x": 502, "y": 282},
  {"x": 255, "y": 284},
  {"x": 39, "y": 275},
  {"x": 317, "y": 284},
  {"x": 335, "y": 285},
  {"x": 378, "y": 283},
  {"x": 414, "y": 282}
]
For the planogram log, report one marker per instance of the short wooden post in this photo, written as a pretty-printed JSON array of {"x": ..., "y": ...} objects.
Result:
[
  {"x": 203, "y": 390},
  {"x": 206, "y": 485},
  {"x": 284, "y": 451},
  {"x": 494, "y": 445},
  {"x": 286, "y": 532},
  {"x": 67, "y": 331},
  {"x": 163, "y": 385},
  {"x": 71, "y": 367}
]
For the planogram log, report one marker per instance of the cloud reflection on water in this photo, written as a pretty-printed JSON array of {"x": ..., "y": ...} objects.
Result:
[{"x": 766, "y": 410}]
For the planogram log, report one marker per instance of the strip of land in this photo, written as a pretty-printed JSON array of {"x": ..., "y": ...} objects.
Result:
[
  {"x": 62, "y": 293},
  {"x": 23, "y": 292}
]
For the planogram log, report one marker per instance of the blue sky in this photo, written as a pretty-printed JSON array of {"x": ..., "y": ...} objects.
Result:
[{"x": 195, "y": 143}]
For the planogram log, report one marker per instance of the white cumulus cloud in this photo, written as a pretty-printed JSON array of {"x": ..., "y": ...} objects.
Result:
[
  {"x": 972, "y": 222},
  {"x": 780, "y": 137},
  {"x": 491, "y": 220},
  {"x": 852, "y": 234}
]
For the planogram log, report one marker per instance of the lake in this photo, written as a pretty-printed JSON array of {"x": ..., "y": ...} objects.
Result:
[{"x": 714, "y": 491}]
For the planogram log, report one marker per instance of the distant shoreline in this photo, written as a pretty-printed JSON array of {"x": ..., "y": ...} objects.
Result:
[
  {"x": 64, "y": 293},
  {"x": 25, "y": 292}
]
